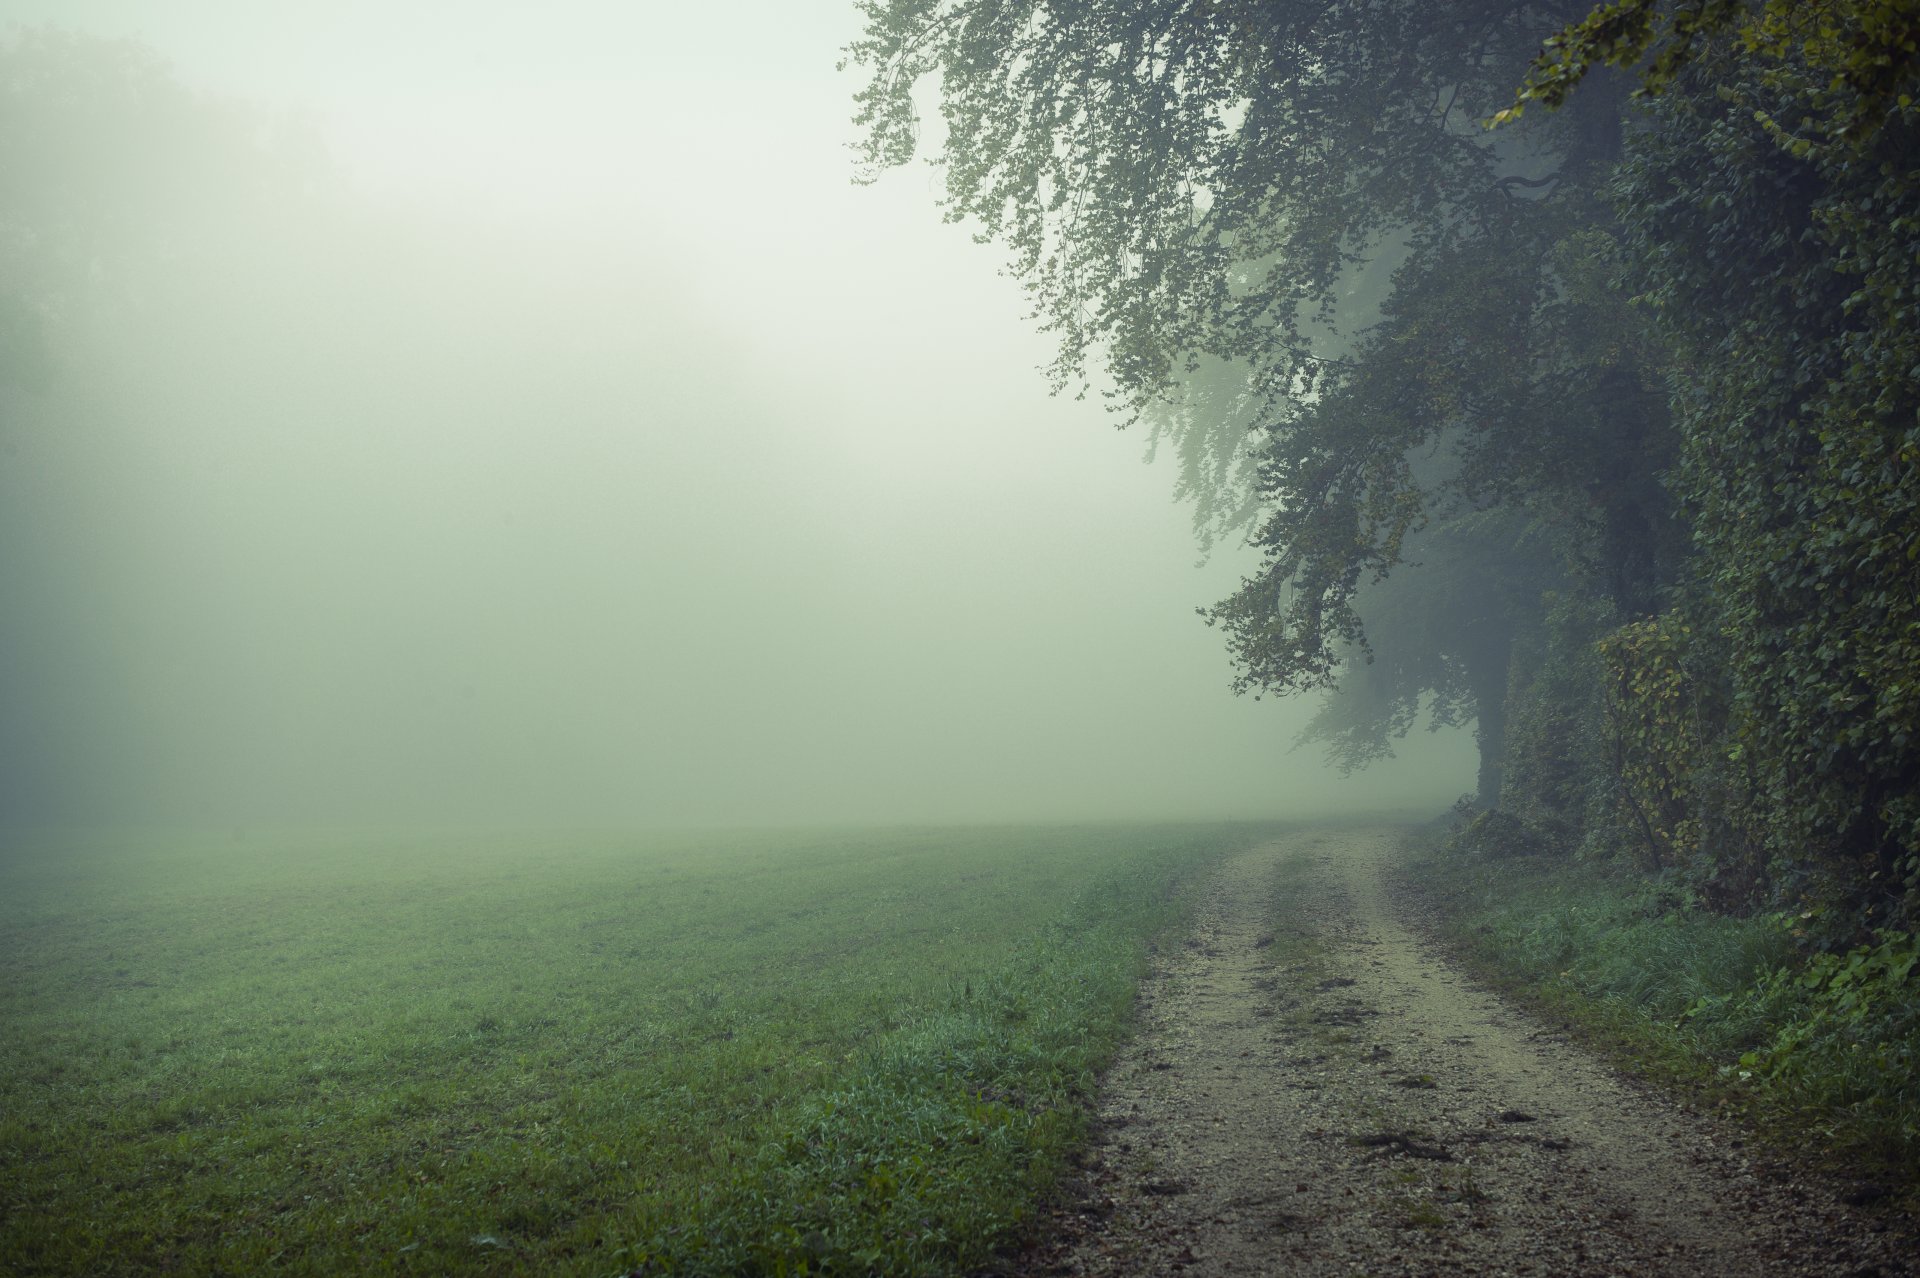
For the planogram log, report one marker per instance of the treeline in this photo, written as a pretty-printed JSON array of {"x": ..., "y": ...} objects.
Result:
[{"x": 1563, "y": 370}]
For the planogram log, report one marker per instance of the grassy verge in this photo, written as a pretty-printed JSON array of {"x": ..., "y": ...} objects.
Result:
[
  {"x": 1822, "y": 1051},
  {"x": 774, "y": 1053}
]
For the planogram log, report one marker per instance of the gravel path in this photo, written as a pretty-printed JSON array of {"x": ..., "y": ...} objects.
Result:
[{"x": 1315, "y": 1091}]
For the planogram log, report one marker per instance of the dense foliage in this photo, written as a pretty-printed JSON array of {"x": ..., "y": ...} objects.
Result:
[
  {"x": 1864, "y": 49},
  {"x": 1776, "y": 243},
  {"x": 1597, "y": 427},
  {"x": 1293, "y": 212}
]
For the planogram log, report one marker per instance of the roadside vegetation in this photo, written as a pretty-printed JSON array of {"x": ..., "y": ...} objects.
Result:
[
  {"x": 1565, "y": 377},
  {"x": 1819, "y": 1048},
  {"x": 774, "y": 1052}
]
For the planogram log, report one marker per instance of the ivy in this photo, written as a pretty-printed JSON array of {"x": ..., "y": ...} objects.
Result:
[{"x": 1785, "y": 274}]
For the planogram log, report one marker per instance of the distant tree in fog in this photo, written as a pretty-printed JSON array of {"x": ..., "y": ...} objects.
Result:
[{"x": 119, "y": 182}]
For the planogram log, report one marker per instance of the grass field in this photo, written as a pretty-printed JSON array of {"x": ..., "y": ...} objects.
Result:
[{"x": 771, "y": 1052}]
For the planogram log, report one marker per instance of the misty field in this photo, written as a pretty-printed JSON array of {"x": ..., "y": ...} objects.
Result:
[{"x": 774, "y": 1052}]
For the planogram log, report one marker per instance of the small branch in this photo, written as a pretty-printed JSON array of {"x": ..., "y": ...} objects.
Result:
[{"x": 1404, "y": 1143}]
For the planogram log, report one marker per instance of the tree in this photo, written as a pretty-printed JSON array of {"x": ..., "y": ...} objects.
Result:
[
  {"x": 125, "y": 198},
  {"x": 117, "y": 176},
  {"x": 1674, "y": 341},
  {"x": 1441, "y": 639},
  {"x": 1185, "y": 187}
]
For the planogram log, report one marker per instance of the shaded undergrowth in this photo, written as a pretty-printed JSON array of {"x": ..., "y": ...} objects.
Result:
[{"x": 1821, "y": 1050}]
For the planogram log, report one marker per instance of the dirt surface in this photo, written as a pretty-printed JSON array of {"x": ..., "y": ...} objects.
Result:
[{"x": 1315, "y": 1091}]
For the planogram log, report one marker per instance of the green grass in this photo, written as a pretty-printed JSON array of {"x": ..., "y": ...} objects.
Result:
[
  {"x": 1731, "y": 1008},
  {"x": 1609, "y": 936},
  {"x": 769, "y": 1052}
]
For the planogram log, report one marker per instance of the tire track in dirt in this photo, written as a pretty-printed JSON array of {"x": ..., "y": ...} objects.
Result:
[{"x": 1315, "y": 1091}]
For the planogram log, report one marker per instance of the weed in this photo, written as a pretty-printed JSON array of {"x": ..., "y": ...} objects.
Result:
[{"x": 1417, "y": 1213}]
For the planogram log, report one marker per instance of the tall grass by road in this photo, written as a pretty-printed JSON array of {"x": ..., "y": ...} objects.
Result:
[
  {"x": 1822, "y": 1049},
  {"x": 772, "y": 1052}
]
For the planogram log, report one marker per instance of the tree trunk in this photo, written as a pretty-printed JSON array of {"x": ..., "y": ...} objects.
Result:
[{"x": 1487, "y": 676}]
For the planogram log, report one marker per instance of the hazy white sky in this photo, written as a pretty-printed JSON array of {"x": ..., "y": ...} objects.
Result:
[{"x": 664, "y": 476}]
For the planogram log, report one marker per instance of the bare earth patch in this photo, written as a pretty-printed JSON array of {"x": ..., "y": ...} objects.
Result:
[{"x": 1315, "y": 1091}]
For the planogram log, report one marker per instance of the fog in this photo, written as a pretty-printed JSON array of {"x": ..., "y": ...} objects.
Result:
[{"x": 578, "y": 446}]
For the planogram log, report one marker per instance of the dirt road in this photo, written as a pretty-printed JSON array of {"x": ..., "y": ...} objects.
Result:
[{"x": 1314, "y": 1091}]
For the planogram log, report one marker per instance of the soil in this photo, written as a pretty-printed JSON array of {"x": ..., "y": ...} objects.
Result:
[{"x": 1314, "y": 1091}]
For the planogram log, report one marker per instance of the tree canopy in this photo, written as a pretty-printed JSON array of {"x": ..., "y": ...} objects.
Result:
[
  {"x": 1304, "y": 195},
  {"x": 1864, "y": 49},
  {"x": 1659, "y": 334}
]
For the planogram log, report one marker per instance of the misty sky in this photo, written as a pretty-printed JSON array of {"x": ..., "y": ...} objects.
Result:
[{"x": 617, "y": 461}]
